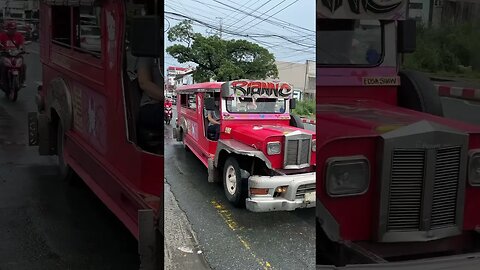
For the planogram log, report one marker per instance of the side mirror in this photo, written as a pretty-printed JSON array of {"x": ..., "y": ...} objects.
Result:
[
  {"x": 293, "y": 103},
  {"x": 209, "y": 104},
  {"x": 146, "y": 37},
  {"x": 225, "y": 90},
  {"x": 407, "y": 36}
]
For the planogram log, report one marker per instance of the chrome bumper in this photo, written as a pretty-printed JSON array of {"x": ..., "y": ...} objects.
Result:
[{"x": 284, "y": 202}]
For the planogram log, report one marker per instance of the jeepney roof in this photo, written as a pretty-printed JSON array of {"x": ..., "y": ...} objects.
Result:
[
  {"x": 198, "y": 86},
  {"x": 363, "y": 9}
]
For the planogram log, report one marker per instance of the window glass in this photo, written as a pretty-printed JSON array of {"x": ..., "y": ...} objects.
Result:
[
  {"x": 259, "y": 105},
  {"x": 89, "y": 38},
  {"x": 349, "y": 42},
  {"x": 192, "y": 102},
  {"x": 61, "y": 25}
]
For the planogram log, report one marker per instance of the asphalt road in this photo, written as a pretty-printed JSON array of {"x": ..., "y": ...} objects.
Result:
[
  {"x": 233, "y": 238},
  {"x": 46, "y": 222}
]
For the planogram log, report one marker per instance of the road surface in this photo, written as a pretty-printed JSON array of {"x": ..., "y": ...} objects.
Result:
[{"x": 46, "y": 222}]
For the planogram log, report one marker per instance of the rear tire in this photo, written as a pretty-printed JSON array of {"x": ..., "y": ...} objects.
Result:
[{"x": 234, "y": 186}]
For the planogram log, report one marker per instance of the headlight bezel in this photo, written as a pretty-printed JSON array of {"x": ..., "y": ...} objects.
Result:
[
  {"x": 269, "y": 144},
  {"x": 471, "y": 155},
  {"x": 314, "y": 145},
  {"x": 347, "y": 160}
]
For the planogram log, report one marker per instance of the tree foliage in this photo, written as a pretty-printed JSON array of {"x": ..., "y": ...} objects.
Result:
[{"x": 220, "y": 59}]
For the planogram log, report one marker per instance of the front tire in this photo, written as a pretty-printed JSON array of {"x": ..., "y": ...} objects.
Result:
[{"x": 235, "y": 189}]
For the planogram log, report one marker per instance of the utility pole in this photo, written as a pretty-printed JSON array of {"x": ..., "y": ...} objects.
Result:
[{"x": 221, "y": 26}]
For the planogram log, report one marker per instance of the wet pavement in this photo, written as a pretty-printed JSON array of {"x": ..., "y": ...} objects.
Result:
[
  {"x": 47, "y": 222},
  {"x": 233, "y": 238}
]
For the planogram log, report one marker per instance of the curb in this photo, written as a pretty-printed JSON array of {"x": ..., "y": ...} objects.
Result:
[{"x": 458, "y": 92}]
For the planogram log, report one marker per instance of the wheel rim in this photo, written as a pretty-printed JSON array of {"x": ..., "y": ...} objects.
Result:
[{"x": 231, "y": 180}]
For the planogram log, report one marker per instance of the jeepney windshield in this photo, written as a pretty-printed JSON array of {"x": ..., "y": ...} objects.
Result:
[
  {"x": 255, "y": 105},
  {"x": 349, "y": 42}
]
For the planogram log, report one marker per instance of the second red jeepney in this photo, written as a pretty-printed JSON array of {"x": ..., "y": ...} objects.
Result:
[{"x": 264, "y": 156}]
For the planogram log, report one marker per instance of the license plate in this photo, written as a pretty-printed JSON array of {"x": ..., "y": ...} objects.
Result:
[
  {"x": 15, "y": 72},
  {"x": 310, "y": 197}
]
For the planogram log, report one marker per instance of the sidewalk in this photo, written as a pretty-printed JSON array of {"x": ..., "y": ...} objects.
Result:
[{"x": 181, "y": 246}]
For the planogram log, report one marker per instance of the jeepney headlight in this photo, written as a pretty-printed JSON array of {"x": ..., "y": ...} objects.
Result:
[
  {"x": 347, "y": 176},
  {"x": 314, "y": 145},
  {"x": 474, "y": 168},
  {"x": 274, "y": 148}
]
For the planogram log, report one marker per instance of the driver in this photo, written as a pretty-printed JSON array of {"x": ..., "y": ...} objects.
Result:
[{"x": 10, "y": 40}]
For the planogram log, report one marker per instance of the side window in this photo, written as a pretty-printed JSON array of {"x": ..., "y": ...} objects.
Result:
[
  {"x": 61, "y": 30},
  {"x": 184, "y": 100},
  {"x": 89, "y": 33},
  {"x": 192, "y": 102},
  {"x": 82, "y": 24}
]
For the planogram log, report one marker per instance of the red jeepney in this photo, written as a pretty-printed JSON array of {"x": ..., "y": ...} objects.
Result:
[
  {"x": 264, "y": 162},
  {"x": 396, "y": 180},
  {"x": 87, "y": 109}
]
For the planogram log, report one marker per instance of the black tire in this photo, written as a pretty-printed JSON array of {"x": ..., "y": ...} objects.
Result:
[
  {"x": 417, "y": 92},
  {"x": 236, "y": 192},
  {"x": 295, "y": 121}
]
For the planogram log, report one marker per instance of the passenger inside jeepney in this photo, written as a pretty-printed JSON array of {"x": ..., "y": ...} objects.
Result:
[{"x": 213, "y": 117}]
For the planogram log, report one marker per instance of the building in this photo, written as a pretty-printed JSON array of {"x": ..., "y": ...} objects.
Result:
[
  {"x": 177, "y": 76},
  {"x": 301, "y": 76},
  {"x": 437, "y": 12},
  {"x": 20, "y": 10}
]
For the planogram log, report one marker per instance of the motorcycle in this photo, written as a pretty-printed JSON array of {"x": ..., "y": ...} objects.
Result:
[
  {"x": 168, "y": 113},
  {"x": 11, "y": 84}
]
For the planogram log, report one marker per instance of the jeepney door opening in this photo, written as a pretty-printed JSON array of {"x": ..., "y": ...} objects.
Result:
[
  {"x": 148, "y": 140},
  {"x": 210, "y": 133}
]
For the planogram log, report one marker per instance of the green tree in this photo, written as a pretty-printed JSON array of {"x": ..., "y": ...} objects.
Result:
[{"x": 220, "y": 59}]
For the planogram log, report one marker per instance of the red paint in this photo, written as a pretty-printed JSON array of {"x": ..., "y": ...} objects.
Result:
[
  {"x": 123, "y": 176},
  {"x": 348, "y": 126}
]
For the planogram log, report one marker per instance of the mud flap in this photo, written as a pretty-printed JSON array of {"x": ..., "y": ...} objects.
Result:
[
  {"x": 149, "y": 241},
  {"x": 32, "y": 129}
]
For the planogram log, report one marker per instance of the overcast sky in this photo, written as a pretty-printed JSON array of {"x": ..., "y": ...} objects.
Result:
[{"x": 291, "y": 21}]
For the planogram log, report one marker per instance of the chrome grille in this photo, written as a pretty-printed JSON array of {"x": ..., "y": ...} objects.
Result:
[
  {"x": 406, "y": 187},
  {"x": 302, "y": 189},
  {"x": 445, "y": 187},
  {"x": 297, "y": 152}
]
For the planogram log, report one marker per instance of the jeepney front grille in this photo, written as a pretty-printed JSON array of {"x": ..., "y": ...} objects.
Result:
[
  {"x": 302, "y": 189},
  {"x": 406, "y": 189},
  {"x": 445, "y": 187},
  {"x": 297, "y": 153},
  {"x": 409, "y": 186}
]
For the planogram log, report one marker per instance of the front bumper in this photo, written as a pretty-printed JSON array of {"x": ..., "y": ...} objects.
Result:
[{"x": 288, "y": 201}]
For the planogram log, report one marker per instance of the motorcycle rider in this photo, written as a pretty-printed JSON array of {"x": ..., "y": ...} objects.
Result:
[{"x": 11, "y": 39}]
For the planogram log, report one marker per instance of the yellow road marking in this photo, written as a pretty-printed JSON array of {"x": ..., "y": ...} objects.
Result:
[{"x": 233, "y": 225}]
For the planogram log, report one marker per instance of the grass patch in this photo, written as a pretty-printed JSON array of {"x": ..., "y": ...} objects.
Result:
[
  {"x": 452, "y": 50},
  {"x": 305, "y": 108}
]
